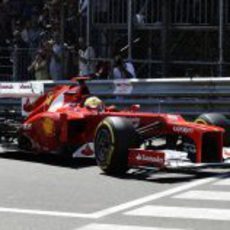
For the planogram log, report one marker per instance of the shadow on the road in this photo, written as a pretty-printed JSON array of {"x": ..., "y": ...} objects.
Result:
[
  {"x": 148, "y": 175},
  {"x": 161, "y": 177},
  {"x": 168, "y": 177},
  {"x": 49, "y": 159}
]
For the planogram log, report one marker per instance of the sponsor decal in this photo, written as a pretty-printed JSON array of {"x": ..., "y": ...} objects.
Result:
[
  {"x": 182, "y": 129},
  {"x": 138, "y": 157},
  {"x": 21, "y": 89},
  {"x": 86, "y": 150},
  {"x": 151, "y": 159},
  {"x": 122, "y": 87},
  {"x": 25, "y": 86},
  {"x": 6, "y": 86}
]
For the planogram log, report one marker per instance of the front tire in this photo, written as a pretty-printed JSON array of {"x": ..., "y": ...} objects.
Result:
[
  {"x": 114, "y": 136},
  {"x": 216, "y": 119}
]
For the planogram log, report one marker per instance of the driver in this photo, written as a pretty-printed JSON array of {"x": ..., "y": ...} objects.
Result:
[{"x": 94, "y": 103}]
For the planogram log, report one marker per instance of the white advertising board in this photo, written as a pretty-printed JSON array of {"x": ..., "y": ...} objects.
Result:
[
  {"x": 122, "y": 87},
  {"x": 21, "y": 89}
]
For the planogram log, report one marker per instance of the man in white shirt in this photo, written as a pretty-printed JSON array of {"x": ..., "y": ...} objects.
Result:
[{"x": 85, "y": 56}]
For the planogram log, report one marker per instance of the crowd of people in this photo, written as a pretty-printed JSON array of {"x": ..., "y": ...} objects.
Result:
[{"x": 33, "y": 31}]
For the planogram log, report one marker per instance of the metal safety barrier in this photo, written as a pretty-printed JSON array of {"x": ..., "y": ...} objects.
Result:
[{"x": 187, "y": 96}]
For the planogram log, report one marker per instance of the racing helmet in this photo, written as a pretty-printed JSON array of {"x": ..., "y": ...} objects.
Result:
[{"x": 94, "y": 103}]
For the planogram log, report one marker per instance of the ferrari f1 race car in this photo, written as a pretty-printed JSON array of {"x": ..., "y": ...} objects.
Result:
[{"x": 68, "y": 120}]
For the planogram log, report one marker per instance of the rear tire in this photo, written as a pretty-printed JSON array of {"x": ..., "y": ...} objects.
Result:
[
  {"x": 114, "y": 136},
  {"x": 216, "y": 119},
  {"x": 24, "y": 143}
]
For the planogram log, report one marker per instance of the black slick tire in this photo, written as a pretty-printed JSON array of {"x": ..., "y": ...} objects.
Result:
[
  {"x": 216, "y": 119},
  {"x": 114, "y": 136}
]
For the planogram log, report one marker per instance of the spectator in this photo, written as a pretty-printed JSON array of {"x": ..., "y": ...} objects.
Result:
[
  {"x": 33, "y": 33},
  {"x": 123, "y": 70},
  {"x": 39, "y": 67},
  {"x": 103, "y": 70},
  {"x": 20, "y": 57},
  {"x": 30, "y": 33},
  {"x": 85, "y": 56},
  {"x": 56, "y": 58}
]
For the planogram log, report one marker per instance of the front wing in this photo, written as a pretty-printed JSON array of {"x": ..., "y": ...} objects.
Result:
[{"x": 170, "y": 159}]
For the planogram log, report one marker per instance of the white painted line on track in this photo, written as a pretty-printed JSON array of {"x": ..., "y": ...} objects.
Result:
[
  {"x": 223, "y": 182},
  {"x": 182, "y": 213},
  {"x": 121, "y": 227},
  {"x": 204, "y": 195},
  {"x": 153, "y": 197},
  {"x": 44, "y": 213},
  {"x": 118, "y": 208}
]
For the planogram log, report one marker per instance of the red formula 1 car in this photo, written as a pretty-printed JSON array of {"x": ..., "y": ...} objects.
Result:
[{"x": 67, "y": 120}]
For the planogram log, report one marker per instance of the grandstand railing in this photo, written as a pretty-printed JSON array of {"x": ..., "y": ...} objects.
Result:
[
  {"x": 6, "y": 64},
  {"x": 14, "y": 63},
  {"x": 168, "y": 29},
  {"x": 149, "y": 12}
]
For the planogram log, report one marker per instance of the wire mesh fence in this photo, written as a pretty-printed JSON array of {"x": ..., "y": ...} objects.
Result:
[{"x": 184, "y": 37}]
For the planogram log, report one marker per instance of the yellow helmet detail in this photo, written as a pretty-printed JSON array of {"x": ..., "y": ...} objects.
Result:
[{"x": 93, "y": 103}]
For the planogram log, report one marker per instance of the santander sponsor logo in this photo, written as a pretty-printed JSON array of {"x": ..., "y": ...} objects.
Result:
[{"x": 152, "y": 159}]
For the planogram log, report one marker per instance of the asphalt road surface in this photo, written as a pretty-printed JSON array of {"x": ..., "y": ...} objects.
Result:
[{"x": 51, "y": 193}]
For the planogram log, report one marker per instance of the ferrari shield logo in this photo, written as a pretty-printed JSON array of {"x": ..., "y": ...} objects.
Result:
[{"x": 48, "y": 126}]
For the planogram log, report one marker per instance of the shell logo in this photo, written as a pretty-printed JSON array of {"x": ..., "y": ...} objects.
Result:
[{"x": 48, "y": 126}]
